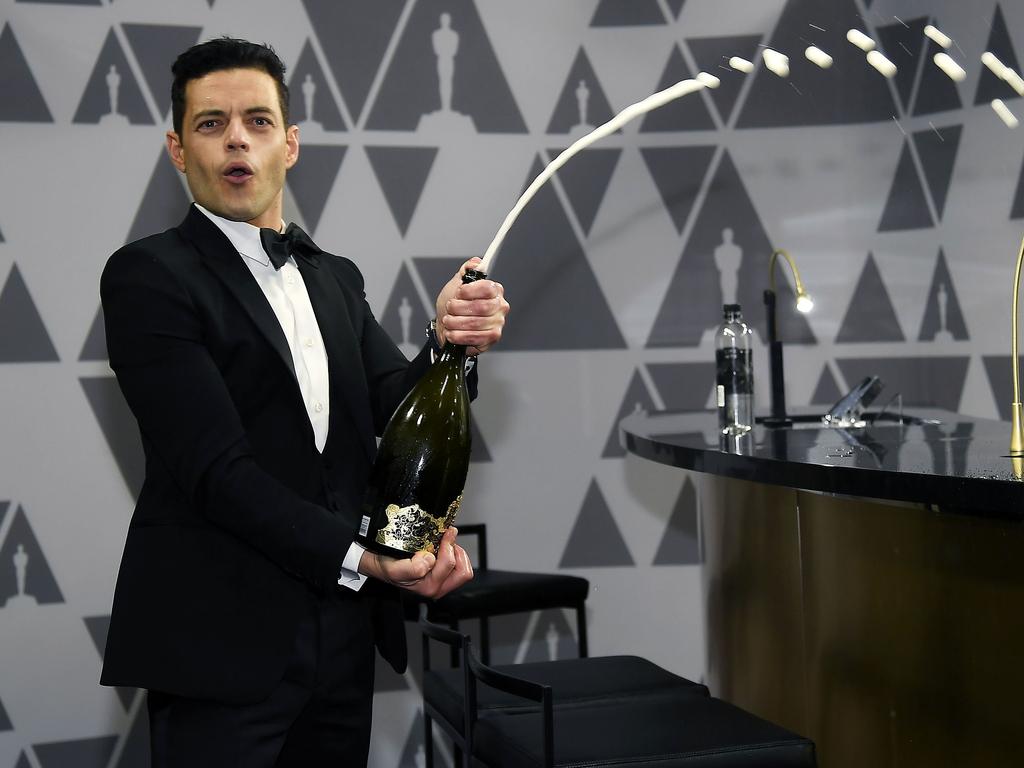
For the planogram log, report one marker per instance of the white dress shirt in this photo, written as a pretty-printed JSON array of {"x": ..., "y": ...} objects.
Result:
[{"x": 286, "y": 293}]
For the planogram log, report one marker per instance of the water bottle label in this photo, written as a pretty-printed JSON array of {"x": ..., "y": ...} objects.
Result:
[
  {"x": 364, "y": 526},
  {"x": 720, "y": 395}
]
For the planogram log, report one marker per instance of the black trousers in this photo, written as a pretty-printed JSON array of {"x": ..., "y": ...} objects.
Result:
[{"x": 318, "y": 715}]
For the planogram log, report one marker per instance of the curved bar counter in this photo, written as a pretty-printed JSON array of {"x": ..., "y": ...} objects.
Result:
[{"x": 863, "y": 587}]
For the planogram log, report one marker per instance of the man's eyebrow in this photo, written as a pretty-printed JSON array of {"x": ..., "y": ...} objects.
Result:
[{"x": 205, "y": 113}]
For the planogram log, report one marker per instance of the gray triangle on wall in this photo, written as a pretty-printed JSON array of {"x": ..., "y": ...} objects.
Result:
[
  {"x": 903, "y": 44},
  {"x": 636, "y": 399},
  {"x": 680, "y": 544},
  {"x": 98, "y": 627},
  {"x": 582, "y": 104},
  {"x": 354, "y": 37},
  {"x": 413, "y": 750},
  {"x": 164, "y": 202},
  {"x": 627, "y": 13},
  {"x": 686, "y": 114},
  {"x": 870, "y": 315},
  {"x": 727, "y": 240},
  {"x": 23, "y": 761},
  {"x": 119, "y": 428},
  {"x": 712, "y": 55},
  {"x": 943, "y": 318},
  {"x": 683, "y": 386},
  {"x": 2, "y": 236},
  {"x": 312, "y": 179},
  {"x": 404, "y": 316},
  {"x": 676, "y": 6},
  {"x": 31, "y": 343},
  {"x": 678, "y": 173},
  {"x": 22, "y": 102},
  {"x": 826, "y": 391},
  {"x": 95, "y": 346},
  {"x": 595, "y": 540},
  {"x": 1017, "y": 207},
  {"x": 542, "y": 254},
  {"x": 409, "y": 96},
  {"x": 154, "y": 45},
  {"x": 112, "y": 95},
  {"x": 585, "y": 181},
  {"x": 999, "y": 369},
  {"x": 906, "y": 207},
  {"x": 935, "y": 91},
  {"x": 22, "y": 557},
  {"x": 999, "y": 43},
  {"x": 937, "y": 150},
  {"x": 76, "y": 753},
  {"x": 402, "y": 173},
  {"x": 552, "y": 638},
  {"x": 135, "y": 752},
  {"x": 309, "y": 84},
  {"x": 931, "y": 382},
  {"x": 850, "y": 92},
  {"x": 5, "y": 721}
]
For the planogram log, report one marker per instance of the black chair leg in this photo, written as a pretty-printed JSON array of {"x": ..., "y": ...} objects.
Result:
[{"x": 581, "y": 629}]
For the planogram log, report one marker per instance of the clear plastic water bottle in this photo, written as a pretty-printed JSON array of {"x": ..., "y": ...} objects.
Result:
[{"x": 734, "y": 374}]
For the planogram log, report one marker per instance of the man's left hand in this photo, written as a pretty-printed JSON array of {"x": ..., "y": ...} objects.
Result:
[{"x": 471, "y": 314}]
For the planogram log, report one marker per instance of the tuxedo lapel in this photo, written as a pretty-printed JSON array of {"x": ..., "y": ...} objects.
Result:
[
  {"x": 348, "y": 386},
  {"x": 221, "y": 257}
]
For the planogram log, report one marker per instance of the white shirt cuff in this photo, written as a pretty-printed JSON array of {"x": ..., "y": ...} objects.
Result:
[{"x": 350, "y": 577}]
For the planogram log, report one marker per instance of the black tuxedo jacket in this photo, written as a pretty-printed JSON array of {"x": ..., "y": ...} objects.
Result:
[{"x": 239, "y": 517}]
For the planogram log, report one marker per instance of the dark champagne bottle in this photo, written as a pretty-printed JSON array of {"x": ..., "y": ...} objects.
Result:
[{"x": 420, "y": 471}]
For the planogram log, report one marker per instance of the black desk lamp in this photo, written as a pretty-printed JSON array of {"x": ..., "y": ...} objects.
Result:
[{"x": 778, "y": 417}]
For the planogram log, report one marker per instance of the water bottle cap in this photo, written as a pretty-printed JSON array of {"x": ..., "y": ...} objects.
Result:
[{"x": 731, "y": 309}]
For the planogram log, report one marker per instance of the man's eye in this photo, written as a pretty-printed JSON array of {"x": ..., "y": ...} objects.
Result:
[
  {"x": 261, "y": 121},
  {"x": 208, "y": 124}
]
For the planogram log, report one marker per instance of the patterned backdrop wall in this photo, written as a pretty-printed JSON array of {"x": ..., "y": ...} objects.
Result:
[{"x": 421, "y": 121}]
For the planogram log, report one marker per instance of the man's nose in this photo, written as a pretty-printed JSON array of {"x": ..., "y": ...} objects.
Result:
[{"x": 236, "y": 137}]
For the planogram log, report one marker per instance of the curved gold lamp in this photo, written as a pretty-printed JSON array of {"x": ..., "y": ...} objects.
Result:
[
  {"x": 804, "y": 303},
  {"x": 1016, "y": 410}
]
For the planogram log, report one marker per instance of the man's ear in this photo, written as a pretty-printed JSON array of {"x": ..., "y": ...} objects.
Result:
[
  {"x": 176, "y": 151},
  {"x": 291, "y": 152}
]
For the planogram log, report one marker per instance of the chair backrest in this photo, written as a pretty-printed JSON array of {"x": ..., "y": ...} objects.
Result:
[
  {"x": 460, "y": 642},
  {"x": 482, "y": 673}
]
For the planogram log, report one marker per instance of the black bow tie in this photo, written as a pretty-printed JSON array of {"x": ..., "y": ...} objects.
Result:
[{"x": 294, "y": 242}]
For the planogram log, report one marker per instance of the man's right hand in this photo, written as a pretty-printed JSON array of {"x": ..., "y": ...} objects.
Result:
[{"x": 423, "y": 573}]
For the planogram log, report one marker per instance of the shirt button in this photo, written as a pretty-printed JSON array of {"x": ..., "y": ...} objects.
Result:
[
  {"x": 290, "y": 280},
  {"x": 307, "y": 342},
  {"x": 318, "y": 407}
]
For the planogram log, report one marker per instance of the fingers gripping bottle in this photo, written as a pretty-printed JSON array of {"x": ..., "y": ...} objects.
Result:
[{"x": 734, "y": 374}]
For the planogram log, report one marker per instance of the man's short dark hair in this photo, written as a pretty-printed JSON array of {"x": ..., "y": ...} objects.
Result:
[{"x": 220, "y": 54}]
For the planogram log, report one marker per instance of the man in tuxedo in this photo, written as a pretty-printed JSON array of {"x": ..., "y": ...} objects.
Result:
[{"x": 259, "y": 379}]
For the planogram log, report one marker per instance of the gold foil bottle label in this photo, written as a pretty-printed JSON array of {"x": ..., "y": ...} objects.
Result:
[{"x": 412, "y": 528}]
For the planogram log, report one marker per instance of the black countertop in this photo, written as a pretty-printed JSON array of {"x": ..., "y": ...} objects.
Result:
[{"x": 953, "y": 462}]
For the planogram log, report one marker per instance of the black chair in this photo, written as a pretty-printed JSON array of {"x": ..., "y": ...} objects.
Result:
[
  {"x": 494, "y": 592},
  {"x": 659, "y": 731},
  {"x": 573, "y": 682}
]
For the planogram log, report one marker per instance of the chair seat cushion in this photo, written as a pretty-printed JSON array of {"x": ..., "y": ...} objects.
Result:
[
  {"x": 662, "y": 733},
  {"x": 574, "y": 682},
  {"x": 493, "y": 592}
]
